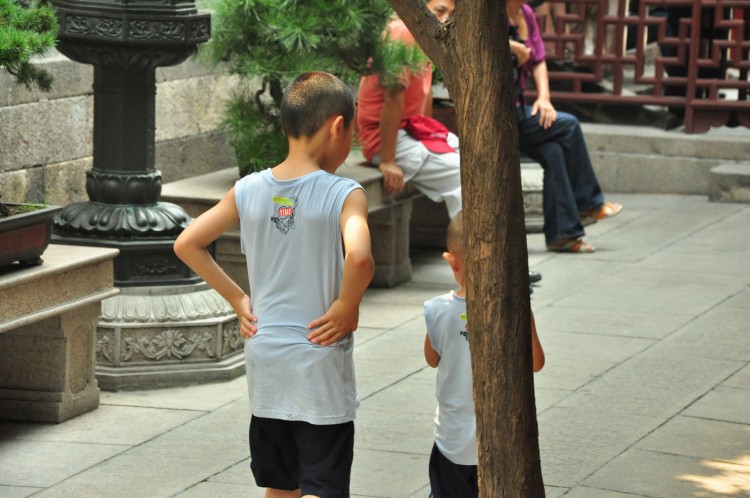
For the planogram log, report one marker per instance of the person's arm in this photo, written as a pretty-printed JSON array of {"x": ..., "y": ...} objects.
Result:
[
  {"x": 191, "y": 247},
  {"x": 537, "y": 353},
  {"x": 428, "y": 103},
  {"x": 342, "y": 316},
  {"x": 430, "y": 355},
  {"x": 390, "y": 121},
  {"x": 521, "y": 51},
  {"x": 542, "y": 104}
]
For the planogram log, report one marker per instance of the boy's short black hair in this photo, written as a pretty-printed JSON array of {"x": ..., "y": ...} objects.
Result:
[{"x": 311, "y": 99}]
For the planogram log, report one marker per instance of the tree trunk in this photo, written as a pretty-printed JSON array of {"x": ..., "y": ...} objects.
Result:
[{"x": 471, "y": 50}]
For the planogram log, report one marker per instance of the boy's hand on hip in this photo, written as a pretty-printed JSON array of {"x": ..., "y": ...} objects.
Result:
[
  {"x": 340, "y": 319},
  {"x": 246, "y": 318}
]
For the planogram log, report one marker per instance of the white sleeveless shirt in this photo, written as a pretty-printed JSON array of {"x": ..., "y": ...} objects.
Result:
[{"x": 455, "y": 422}]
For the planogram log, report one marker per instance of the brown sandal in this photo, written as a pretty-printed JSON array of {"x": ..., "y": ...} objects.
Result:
[
  {"x": 570, "y": 245},
  {"x": 606, "y": 210}
]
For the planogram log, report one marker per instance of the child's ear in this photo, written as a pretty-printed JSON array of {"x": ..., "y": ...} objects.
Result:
[
  {"x": 451, "y": 259},
  {"x": 338, "y": 127}
]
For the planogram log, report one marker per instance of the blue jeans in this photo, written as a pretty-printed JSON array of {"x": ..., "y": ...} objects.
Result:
[{"x": 570, "y": 184}]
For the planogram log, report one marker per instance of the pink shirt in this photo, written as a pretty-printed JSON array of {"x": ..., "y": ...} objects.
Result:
[
  {"x": 535, "y": 44},
  {"x": 371, "y": 96}
]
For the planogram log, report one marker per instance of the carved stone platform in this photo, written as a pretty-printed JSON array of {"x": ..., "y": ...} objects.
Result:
[
  {"x": 48, "y": 323},
  {"x": 161, "y": 336}
]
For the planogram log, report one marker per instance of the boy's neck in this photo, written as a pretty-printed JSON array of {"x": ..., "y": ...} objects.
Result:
[
  {"x": 461, "y": 292},
  {"x": 290, "y": 169},
  {"x": 306, "y": 155}
]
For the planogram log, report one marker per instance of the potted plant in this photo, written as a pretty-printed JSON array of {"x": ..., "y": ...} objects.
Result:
[
  {"x": 27, "y": 28},
  {"x": 25, "y": 232}
]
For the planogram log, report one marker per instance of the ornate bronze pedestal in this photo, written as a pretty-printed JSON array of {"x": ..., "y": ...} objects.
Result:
[{"x": 166, "y": 326}]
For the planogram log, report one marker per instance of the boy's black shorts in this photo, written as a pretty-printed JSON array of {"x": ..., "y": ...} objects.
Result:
[
  {"x": 288, "y": 454},
  {"x": 451, "y": 480}
]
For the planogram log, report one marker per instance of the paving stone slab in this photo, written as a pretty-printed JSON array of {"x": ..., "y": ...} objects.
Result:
[
  {"x": 108, "y": 425},
  {"x": 723, "y": 403},
  {"x": 574, "y": 443},
  {"x": 379, "y": 315},
  {"x": 201, "y": 397},
  {"x": 557, "y": 284},
  {"x": 388, "y": 474},
  {"x": 671, "y": 476},
  {"x": 413, "y": 293},
  {"x": 656, "y": 292},
  {"x": 42, "y": 464},
  {"x": 239, "y": 474},
  {"x": 700, "y": 438},
  {"x": 653, "y": 325},
  {"x": 411, "y": 396},
  {"x": 574, "y": 360},
  {"x": 682, "y": 255},
  {"x": 672, "y": 383},
  {"x": 721, "y": 333},
  {"x": 422, "y": 492},
  {"x": 223, "y": 490},
  {"x": 546, "y": 398},
  {"x": 168, "y": 464},
  {"x": 17, "y": 492},
  {"x": 365, "y": 334},
  {"x": 740, "y": 380},
  {"x": 724, "y": 235},
  {"x": 631, "y": 242},
  {"x": 438, "y": 274},
  {"x": 220, "y": 436},
  {"x": 587, "y": 492},
  {"x": 396, "y": 432},
  {"x": 740, "y": 300},
  {"x": 554, "y": 492}
]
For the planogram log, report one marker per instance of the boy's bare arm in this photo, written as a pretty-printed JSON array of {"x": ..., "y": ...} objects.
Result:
[
  {"x": 342, "y": 316},
  {"x": 430, "y": 355},
  {"x": 191, "y": 247},
  {"x": 537, "y": 353}
]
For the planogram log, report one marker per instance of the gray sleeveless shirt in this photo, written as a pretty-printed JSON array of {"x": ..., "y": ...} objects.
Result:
[{"x": 291, "y": 236}]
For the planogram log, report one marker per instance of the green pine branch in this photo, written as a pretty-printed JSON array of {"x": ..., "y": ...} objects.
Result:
[
  {"x": 27, "y": 29},
  {"x": 273, "y": 41}
]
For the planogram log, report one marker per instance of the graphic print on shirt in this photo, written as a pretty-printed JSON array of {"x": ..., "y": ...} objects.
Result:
[
  {"x": 285, "y": 208},
  {"x": 465, "y": 331}
]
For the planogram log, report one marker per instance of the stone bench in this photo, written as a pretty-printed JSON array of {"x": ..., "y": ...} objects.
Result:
[
  {"x": 394, "y": 220},
  {"x": 48, "y": 322},
  {"x": 388, "y": 218}
]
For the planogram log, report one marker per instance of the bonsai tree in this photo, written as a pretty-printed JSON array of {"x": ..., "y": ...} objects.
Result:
[
  {"x": 270, "y": 42},
  {"x": 27, "y": 28}
]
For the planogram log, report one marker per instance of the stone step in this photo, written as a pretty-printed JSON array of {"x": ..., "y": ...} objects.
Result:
[{"x": 731, "y": 183}]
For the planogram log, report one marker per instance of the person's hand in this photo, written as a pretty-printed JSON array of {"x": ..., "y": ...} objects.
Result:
[
  {"x": 247, "y": 320},
  {"x": 521, "y": 51},
  {"x": 547, "y": 113},
  {"x": 393, "y": 177},
  {"x": 340, "y": 319}
]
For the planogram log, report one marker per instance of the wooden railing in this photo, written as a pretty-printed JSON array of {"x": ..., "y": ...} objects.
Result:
[{"x": 691, "y": 56}]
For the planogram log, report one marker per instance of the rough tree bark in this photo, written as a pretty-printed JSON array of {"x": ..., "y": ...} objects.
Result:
[{"x": 471, "y": 50}]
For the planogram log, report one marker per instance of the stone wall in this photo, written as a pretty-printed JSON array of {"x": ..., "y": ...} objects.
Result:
[{"x": 46, "y": 138}]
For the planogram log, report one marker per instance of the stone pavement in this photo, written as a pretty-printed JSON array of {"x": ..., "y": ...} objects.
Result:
[{"x": 646, "y": 390}]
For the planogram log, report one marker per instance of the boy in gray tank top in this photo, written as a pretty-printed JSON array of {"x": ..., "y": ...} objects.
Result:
[
  {"x": 453, "y": 462},
  {"x": 305, "y": 235}
]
